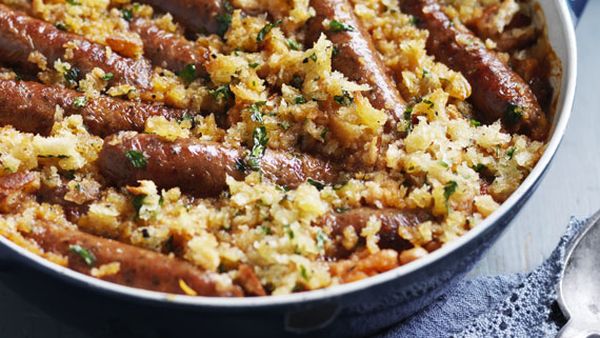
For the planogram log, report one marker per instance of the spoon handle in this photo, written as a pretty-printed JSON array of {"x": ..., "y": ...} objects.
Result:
[{"x": 574, "y": 329}]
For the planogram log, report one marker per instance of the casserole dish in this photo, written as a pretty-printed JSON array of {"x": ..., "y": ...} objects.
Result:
[{"x": 354, "y": 309}]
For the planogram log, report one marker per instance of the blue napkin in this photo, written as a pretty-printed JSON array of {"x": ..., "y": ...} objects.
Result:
[{"x": 516, "y": 305}]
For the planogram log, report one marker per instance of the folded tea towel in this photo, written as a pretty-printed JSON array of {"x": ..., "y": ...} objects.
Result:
[{"x": 516, "y": 305}]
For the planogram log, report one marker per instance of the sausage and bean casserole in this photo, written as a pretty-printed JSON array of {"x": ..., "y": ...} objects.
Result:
[{"x": 263, "y": 147}]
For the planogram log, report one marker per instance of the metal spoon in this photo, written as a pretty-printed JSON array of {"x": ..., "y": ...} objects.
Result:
[{"x": 579, "y": 287}]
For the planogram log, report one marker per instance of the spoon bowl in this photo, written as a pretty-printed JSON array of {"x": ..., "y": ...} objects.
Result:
[{"x": 579, "y": 287}]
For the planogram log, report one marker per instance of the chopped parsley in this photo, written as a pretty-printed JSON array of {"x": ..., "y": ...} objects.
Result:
[
  {"x": 62, "y": 26},
  {"x": 297, "y": 81},
  {"x": 335, "y": 52},
  {"x": 425, "y": 73},
  {"x": 240, "y": 165},
  {"x": 321, "y": 239},
  {"x": 138, "y": 202},
  {"x": 126, "y": 14},
  {"x": 260, "y": 138},
  {"x": 188, "y": 73},
  {"x": 317, "y": 184},
  {"x": 289, "y": 231},
  {"x": 85, "y": 254},
  {"x": 511, "y": 152},
  {"x": 224, "y": 19},
  {"x": 344, "y": 100},
  {"x": 514, "y": 113},
  {"x": 303, "y": 272},
  {"x": 108, "y": 76},
  {"x": 255, "y": 113},
  {"x": 444, "y": 164},
  {"x": 293, "y": 44},
  {"x": 221, "y": 93},
  {"x": 73, "y": 2},
  {"x": 300, "y": 100},
  {"x": 336, "y": 26},
  {"x": 79, "y": 102},
  {"x": 429, "y": 103},
  {"x": 449, "y": 189},
  {"x": 474, "y": 123},
  {"x": 479, "y": 167},
  {"x": 312, "y": 57},
  {"x": 254, "y": 64},
  {"x": 262, "y": 34},
  {"x": 266, "y": 230},
  {"x": 72, "y": 76},
  {"x": 137, "y": 159}
]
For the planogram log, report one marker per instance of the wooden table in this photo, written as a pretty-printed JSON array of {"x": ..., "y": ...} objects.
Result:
[{"x": 571, "y": 187}]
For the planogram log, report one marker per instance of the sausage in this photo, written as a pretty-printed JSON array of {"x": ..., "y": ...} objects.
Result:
[
  {"x": 200, "y": 167},
  {"x": 21, "y": 35},
  {"x": 356, "y": 56},
  {"x": 198, "y": 16},
  {"x": 169, "y": 50},
  {"x": 498, "y": 92},
  {"x": 248, "y": 280},
  {"x": 14, "y": 189},
  {"x": 391, "y": 220},
  {"x": 139, "y": 268},
  {"x": 30, "y": 107}
]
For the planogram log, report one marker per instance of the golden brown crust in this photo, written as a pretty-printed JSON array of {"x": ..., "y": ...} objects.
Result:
[{"x": 498, "y": 92}]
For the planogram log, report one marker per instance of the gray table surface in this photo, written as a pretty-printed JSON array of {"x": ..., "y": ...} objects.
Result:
[{"x": 571, "y": 188}]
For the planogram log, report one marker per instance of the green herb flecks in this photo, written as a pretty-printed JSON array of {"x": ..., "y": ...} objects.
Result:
[
  {"x": 449, "y": 189},
  {"x": 474, "y": 123},
  {"x": 336, "y": 26},
  {"x": 303, "y": 272},
  {"x": 224, "y": 19},
  {"x": 345, "y": 99},
  {"x": 72, "y": 76},
  {"x": 62, "y": 26},
  {"x": 255, "y": 111},
  {"x": 321, "y": 239},
  {"x": 138, "y": 202},
  {"x": 188, "y": 73},
  {"x": 108, "y": 76},
  {"x": 260, "y": 139},
  {"x": 294, "y": 45},
  {"x": 479, "y": 167},
  {"x": 126, "y": 14},
  {"x": 85, "y": 254},
  {"x": 510, "y": 153},
  {"x": 300, "y": 100},
  {"x": 137, "y": 159},
  {"x": 317, "y": 184},
  {"x": 262, "y": 34},
  {"x": 221, "y": 93},
  {"x": 514, "y": 113},
  {"x": 79, "y": 102}
]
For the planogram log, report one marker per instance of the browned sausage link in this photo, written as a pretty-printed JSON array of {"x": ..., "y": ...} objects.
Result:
[
  {"x": 391, "y": 220},
  {"x": 356, "y": 57},
  {"x": 139, "y": 268},
  {"x": 31, "y": 107},
  {"x": 199, "y": 16},
  {"x": 498, "y": 92},
  {"x": 169, "y": 50},
  {"x": 15, "y": 187},
  {"x": 20, "y": 35},
  {"x": 198, "y": 167}
]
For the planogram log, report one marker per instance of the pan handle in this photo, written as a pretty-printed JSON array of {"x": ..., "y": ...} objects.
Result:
[{"x": 576, "y": 7}]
